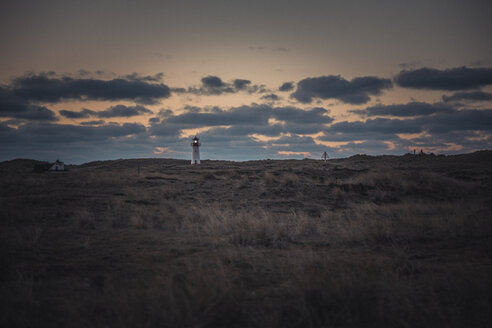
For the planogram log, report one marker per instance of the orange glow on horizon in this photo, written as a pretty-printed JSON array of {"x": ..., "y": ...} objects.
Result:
[{"x": 290, "y": 153}]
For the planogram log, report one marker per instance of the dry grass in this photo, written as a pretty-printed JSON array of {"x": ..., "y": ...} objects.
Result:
[
  {"x": 350, "y": 243},
  {"x": 406, "y": 223},
  {"x": 415, "y": 183}
]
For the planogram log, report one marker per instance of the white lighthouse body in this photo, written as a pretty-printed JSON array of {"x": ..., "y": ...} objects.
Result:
[{"x": 195, "y": 153}]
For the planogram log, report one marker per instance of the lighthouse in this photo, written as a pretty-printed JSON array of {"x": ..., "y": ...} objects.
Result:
[{"x": 195, "y": 154}]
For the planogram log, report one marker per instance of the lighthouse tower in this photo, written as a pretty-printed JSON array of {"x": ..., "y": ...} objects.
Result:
[{"x": 195, "y": 154}]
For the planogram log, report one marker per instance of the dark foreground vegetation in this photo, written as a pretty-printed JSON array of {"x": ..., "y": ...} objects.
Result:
[{"x": 357, "y": 242}]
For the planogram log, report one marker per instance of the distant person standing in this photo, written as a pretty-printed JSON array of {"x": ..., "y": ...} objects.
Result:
[{"x": 324, "y": 156}]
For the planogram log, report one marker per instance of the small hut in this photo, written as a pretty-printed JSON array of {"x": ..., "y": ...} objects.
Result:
[{"x": 57, "y": 166}]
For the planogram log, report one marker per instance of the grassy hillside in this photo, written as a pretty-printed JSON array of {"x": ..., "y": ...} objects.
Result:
[{"x": 362, "y": 241}]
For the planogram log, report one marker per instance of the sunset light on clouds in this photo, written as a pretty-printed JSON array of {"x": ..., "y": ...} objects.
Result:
[{"x": 111, "y": 79}]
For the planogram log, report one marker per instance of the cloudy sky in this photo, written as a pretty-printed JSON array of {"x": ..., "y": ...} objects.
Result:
[{"x": 93, "y": 80}]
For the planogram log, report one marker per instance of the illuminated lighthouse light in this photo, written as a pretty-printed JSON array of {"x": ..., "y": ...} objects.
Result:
[{"x": 195, "y": 153}]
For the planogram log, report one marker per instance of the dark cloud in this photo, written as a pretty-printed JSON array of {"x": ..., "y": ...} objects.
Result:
[
  {"x": 83, "y": 72},
  {"x": 469, "y": 129},
  {"x": 293, "y": 140},
  {"x": 470, "y": 140},
  {"x": 194, "y": 109},
  {"x": 212, "y": 82},
  {"x": 296, "y": 115},
  {"x": 46, "y": 88},
  {"x": 270, "y": 97},
  {"x": 404, "y": 110},
  {"x": 84, "y": 113},
  {"x": 240, "y": 84},
  {"x": 165, "y": 113},
  {"x": 16, "y": 107},
  {"x": 98, "y": 122},
  {"x": 468, "y": 96},
  {"x": 145, "y": 78},
  {"x": 235, "y": 116},
  {"x": 164, "y": 129},
  {"x": 179, "y": 90},
  {"x": 286, "y": 86},
  {"x": 356, "y": 91},
  {"x": 75, "y": 143},
  {"x": 255, "y": 114},
  {"x": 214, "y": 85},
  {"x": 102, "y": 72},
  {"x": 460, "y": 78},
  {"x": 379, "y": 126},
  {"x": 387, "y": 129},
  {"x": 123, "y": 111},
  {"x": 51, "y": 136},
  {"x": 113, "y": 111},
  {"x": 462, "y": 120},
  {"x": 233, "y": 134},
  {"x": 246, "y": 120},
  {"x": 5, "y": 128},
  {"x": 66, "y": 133}
]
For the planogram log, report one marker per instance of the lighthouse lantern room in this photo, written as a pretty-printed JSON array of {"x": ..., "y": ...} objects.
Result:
[{"x": 195, "y": 154}]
